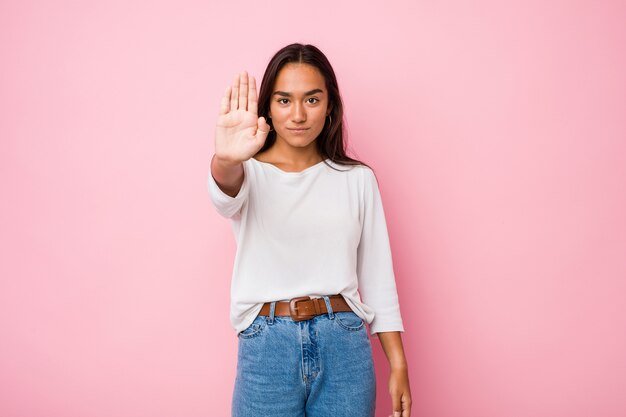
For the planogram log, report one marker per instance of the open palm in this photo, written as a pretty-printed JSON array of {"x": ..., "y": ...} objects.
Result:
[{"x": 240, "y": 133}]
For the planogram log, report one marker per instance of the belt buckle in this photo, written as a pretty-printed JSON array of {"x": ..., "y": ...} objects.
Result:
[{"x": 293, "y": 309}]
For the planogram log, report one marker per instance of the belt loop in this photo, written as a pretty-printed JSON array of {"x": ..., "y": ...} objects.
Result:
[
  {"x": 270, "y": 320},
  {"x": 331, "y": 315}
]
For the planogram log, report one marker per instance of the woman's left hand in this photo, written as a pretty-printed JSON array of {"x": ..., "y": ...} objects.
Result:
[{"x": 400, "y": 392}]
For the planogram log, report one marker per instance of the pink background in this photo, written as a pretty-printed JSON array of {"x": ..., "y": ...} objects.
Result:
[{"x": 497, "y": 133}]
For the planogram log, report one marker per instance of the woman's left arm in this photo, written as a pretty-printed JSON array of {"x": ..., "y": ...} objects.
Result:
[{"x": 399, "y": 376}]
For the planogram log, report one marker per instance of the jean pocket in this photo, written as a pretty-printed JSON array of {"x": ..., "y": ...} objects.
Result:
[
  {"x": 254, "y": 329},
  {"x": 349, "y": 320}
]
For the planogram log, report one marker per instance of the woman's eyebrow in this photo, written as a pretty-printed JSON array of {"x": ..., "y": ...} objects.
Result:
[{"x": 308, "y": 93}]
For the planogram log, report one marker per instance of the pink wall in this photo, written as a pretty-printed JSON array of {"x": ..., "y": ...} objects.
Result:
[{"x": 496, "y": 130}]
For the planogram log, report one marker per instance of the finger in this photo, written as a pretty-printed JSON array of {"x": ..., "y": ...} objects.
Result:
[
  {"x": 252, "y": 97},
  {"x": 234, "y": 94},
  {"x": 224, "y": 104},
  {"x": 243, "y": 91}
]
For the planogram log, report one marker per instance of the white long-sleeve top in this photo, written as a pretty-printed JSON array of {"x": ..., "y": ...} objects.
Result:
[{"x": 315, "y": 232}]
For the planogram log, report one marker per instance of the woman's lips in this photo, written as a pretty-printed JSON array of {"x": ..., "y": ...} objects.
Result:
[{"x": 299, "y": 130}]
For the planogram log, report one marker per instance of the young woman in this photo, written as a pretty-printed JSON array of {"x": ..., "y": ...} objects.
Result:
[{"x": 313, "y": 261}]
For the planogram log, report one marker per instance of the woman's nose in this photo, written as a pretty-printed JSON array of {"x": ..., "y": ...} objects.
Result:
[{"x": 298, "y": 113}]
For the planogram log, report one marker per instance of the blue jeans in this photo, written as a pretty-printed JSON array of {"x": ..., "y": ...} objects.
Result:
[{"x": 315, "y": 368}]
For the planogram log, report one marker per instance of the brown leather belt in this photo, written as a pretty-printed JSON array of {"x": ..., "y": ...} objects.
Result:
[{"x": 305, "y": 308}]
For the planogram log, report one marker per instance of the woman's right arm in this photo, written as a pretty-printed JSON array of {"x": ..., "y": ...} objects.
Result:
[
  {"x": 239, "y": 133},
  {"x": 227, "y": 175}
]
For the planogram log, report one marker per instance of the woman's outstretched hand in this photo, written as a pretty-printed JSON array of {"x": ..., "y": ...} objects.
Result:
[
  {"x": 400, "y": 392},
  {"x": 240, "y": 133}
]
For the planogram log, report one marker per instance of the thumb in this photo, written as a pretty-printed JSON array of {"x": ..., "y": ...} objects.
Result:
[
  {"x": 263, "y": 129},
  {"x": 396, "y": 403}
]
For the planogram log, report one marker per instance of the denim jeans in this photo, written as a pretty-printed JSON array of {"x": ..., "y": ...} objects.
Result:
[{"x": 315, "y": 368}]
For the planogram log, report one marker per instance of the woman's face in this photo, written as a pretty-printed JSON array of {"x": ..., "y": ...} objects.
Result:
[{"x": 299, "y": 101}]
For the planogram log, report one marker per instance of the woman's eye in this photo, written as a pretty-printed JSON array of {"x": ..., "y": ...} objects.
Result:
[{"x": 280, "y": 100}]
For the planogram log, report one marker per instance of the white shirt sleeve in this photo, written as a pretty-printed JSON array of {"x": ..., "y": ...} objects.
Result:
[
  {"x": 227, "y": 206},
  {"x": 377, "y": 284}
]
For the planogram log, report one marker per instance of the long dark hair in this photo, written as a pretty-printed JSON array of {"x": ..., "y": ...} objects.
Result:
[{"x": 330, "y": 143}]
